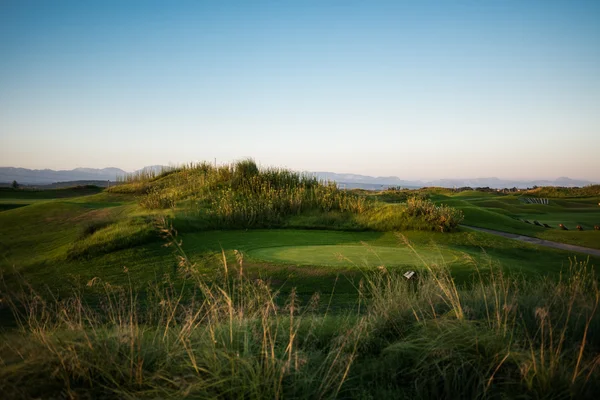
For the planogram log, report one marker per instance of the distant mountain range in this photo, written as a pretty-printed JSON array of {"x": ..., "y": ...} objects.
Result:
[
  {"x": 370, "y": 182},
  {"x": 48, "y": 176}
]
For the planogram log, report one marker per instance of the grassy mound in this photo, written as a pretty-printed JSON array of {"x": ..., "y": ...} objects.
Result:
[
  {"x": 104, "y": 236},
  {"x": 242, "y": 195}
]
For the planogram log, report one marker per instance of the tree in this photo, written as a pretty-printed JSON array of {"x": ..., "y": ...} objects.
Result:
[{"x": 15, "y": 185}]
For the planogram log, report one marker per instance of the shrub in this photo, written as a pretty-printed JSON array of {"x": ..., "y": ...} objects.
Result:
[{"x": 440, "y": 217}]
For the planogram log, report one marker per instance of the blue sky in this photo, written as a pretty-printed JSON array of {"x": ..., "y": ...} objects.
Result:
[{"x": 419, "y": 89}]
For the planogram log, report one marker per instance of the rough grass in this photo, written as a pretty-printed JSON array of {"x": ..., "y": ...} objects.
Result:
[
  {"x": 242, "y": 195},
  {"x": 499, "y": 337}
]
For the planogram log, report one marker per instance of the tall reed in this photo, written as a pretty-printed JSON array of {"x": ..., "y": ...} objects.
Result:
[{"x": 226, "y": 335}]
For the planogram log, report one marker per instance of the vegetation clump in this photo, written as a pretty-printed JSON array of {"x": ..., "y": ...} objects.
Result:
[
  {"x": 242, "y": 195},
  {"x": 395, "y": 195},
  {"x": 440, "y": 216}
]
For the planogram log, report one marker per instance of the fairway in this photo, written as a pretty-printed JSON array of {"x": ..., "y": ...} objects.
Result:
[
  {"x": 507, "y": 213},
  {"x": 352, "y": 255},
  {"x": 11, "y": 199}
]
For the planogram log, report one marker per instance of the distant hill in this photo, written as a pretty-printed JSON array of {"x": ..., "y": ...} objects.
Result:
[
  {"x": 370, "y": 182},
  {"x": 61, "y": 185},
  {"x": 366, "y": 182},
  {"x": 48, "y": 176}
]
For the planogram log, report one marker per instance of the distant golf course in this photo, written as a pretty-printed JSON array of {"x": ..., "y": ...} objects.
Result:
[{"x": 508, "y": 213}]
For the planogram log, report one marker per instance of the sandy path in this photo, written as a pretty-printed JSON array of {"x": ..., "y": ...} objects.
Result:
[{"x": 541, "y": 242}]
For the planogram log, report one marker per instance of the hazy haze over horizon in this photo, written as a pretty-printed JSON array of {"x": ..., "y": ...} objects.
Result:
[{"x": 419, "y": 90}]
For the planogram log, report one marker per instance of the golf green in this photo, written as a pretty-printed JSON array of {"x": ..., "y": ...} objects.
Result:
[{"x": 353, "y": 255}]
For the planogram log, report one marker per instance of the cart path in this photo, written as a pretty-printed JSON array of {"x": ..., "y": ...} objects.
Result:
[{"x": 541, "y": 242}]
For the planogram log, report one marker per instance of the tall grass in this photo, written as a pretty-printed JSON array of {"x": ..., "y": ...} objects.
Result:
[
  {"x": 443, "y": 217},
  {"x": 227, "y": 336},
  {"x": 501, "y": 337},
  {"x": 228, "y": 339},
  {"x": 146, "y": 174},
  {"x": 242, "y": 195}
]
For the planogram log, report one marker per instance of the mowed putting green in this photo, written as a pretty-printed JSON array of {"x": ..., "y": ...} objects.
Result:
[{"x": 353, "y": 255}]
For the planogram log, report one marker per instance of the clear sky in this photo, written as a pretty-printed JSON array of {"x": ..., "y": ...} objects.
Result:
[{"x": 417, "y": 89}]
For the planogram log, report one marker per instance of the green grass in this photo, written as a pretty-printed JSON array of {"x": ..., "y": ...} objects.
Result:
[
  {"x": 11, "y": 198},
  {"x": 45, "y": 231},
  {"x": 507, "y": 213},
  {"x": 12, "y": 204},
  {"x": 319, "y": 271},
  {"x": 317, "y": 308},
  {"x": 344, "y": 255},
  {"x": 98, "y": 235},
  {"x": 499, "y": 338},
  {"x": 34, "y": 194}
]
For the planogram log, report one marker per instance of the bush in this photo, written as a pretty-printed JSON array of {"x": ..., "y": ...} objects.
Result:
[{"x": 440, "y": 217}]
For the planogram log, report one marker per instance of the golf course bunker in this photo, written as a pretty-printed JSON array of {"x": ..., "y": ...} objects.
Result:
[{"x": 348, "y": 255}]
